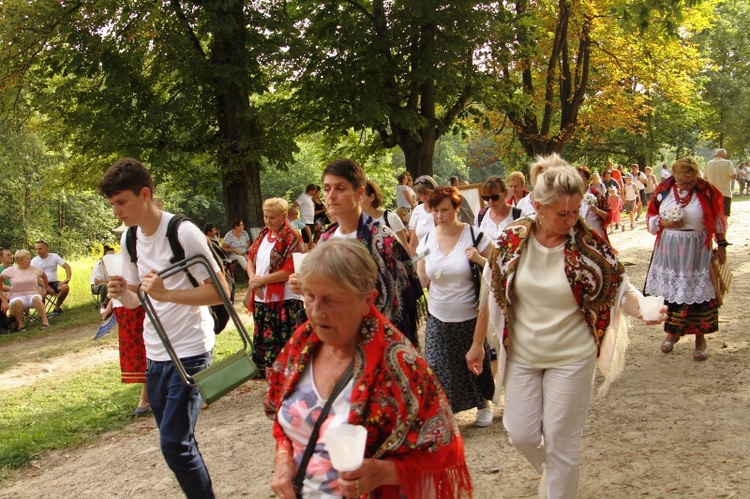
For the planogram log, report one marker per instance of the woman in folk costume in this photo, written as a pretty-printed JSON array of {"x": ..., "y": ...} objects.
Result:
[
  {"x": 594, "y": 206},
  {"x": 687, "y": 214},
  {"x": 270, "y": 264},
  {"x": 349, "y": 356},
  {"x": 557, "y": 295}
]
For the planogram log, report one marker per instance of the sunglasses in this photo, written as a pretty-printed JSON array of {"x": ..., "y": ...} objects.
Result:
[{"x": 494, "y": 197}]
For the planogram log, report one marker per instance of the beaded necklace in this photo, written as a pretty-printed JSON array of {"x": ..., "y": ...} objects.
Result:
[{"x": 683, "y": 201}]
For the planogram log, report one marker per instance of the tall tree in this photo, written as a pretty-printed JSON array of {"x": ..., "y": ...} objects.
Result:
[
  {"x": 171, "y": 82},
  {"x": 406, "y": 70},
  {"x": 566, "y": 55}
]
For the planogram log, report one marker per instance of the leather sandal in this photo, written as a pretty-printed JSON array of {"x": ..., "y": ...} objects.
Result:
[
  {"x": 700, "y": 355},
  {"x": 668, "y": 346}
]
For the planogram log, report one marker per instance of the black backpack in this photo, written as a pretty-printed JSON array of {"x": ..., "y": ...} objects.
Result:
[
  {"x": 480, "y": 216},
  {"x": 218, "y": 312}
]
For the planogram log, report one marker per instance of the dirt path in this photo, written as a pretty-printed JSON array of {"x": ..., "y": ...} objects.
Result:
[{"x": 670, "y": 427}]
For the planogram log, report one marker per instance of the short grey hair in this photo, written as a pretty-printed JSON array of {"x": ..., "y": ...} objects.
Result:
[
  {"x": 556, "y": 181},
  {"x": 345, "y": 261}
]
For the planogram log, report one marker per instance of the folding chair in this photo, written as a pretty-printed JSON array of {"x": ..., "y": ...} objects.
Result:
[
  {"x": 220, "y": 377},
  {"x": 99, "y": 303},
  {"x": 29, "y": 315},
  {"x": 49, "y": 304}
]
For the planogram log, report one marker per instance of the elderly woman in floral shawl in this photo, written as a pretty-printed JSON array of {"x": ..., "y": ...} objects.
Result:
[
  {"x": 557, "y": 295},
  {"x": 269, "y": 298},
  {"x": 414, "y": 448}
]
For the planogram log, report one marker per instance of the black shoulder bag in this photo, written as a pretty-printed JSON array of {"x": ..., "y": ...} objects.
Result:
[
  {"x": 476, "y": 270},
  {"x": 299, "y": 478}
]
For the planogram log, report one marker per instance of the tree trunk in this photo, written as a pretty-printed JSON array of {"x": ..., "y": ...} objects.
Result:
[
  {"x": 419, "y": 155},
  {"x": 238, "y": 127}
]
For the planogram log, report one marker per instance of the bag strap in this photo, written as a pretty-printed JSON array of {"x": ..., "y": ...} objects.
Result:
[
  {"x": 299, "y": 478},
  {"x": 385, "y": 219},
  {"x": 481, "y": 214},
  {"x": 475, "y": 241},
  {"x": 178, "y": 252},
  {"x": 130, "y": 243}
]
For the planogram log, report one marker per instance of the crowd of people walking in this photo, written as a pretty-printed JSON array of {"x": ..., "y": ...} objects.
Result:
[{"x": 521, "y": 294}]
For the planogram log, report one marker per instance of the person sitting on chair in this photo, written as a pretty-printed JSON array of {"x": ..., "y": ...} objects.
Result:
[
  {"x": 49, "y": 262},
  {"x": 236, "y": 243},
  {"x": 24, "y": 289},
  {"x": 6, "y": 262}
]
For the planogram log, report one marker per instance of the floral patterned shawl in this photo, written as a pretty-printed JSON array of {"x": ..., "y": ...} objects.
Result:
[
  {"x": 603, "y": 204},
  {"x": 593, "y": 272},
  {"x": 397, "y": 398},
  {"x": 399, "y": 289},
  {"x": 289, "y": 241},
  {"x": 712, "y": 204}
]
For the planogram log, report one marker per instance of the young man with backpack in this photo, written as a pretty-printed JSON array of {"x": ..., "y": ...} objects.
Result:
[{"x": 180, "y": 305}]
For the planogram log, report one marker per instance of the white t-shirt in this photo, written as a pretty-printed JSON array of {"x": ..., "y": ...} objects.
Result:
[
  {"x": 394, "y": 221},
  {"x": 629, "y": 192},
  {"x": 189, "y": 328},
  {"x": 640, "y": 180},
  {"x": 262, "y": 267},
  {"x": 48, "y": 265},
  {"x": 526, "y": 205},
  {"x": 665, "y": 173},
  {"x": 306, "y": 208},
  {"x": 452, "y": 297},
  {"x": 337, "y": 234},
  {"x": 421, "y": 222},
  {"x": 490, "y": 228},
  {"x": 546, "y": 328},
  {"x": 401, "y": 201},
  {"x": 99, "y": 272}
]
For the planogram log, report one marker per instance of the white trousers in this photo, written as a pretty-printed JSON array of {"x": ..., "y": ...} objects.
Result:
[{"x": 545, "y": 410}]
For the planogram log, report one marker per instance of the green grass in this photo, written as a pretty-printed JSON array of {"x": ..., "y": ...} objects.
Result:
[
  {"x": 63, "y": 413},
  {"x": 57, "y": 412}
]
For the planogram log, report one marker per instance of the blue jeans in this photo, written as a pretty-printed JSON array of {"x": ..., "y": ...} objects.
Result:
[{"x": 176, "y": 408}]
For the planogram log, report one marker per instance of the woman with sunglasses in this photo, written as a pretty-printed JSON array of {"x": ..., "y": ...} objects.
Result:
[
  {"x": 421, "y": 221},
  {"x": 494, "y": 217}
]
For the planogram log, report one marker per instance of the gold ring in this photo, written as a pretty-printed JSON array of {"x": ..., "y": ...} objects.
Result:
[{"x": 356, "y": 486}]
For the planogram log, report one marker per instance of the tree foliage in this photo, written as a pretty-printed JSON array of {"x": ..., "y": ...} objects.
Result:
[
  {"x": 570, "y": 67},
  {"x": 726, "y": 45},
  {"x": 405, "y": 70},
  {"x": 171, "y": 83}
]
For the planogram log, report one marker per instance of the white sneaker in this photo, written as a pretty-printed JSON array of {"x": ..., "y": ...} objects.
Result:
[{"x": 484, "y": 417}]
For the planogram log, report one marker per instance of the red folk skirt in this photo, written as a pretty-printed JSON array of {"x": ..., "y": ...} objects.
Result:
[{"x": 132, "y": 348}]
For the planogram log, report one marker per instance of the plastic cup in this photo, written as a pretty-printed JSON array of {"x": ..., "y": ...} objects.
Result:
[
  {"x": 113, "y": 264},
  {"x": 346, "y": 446},
  {"x": 297, "y": 259},
  {"x": 651, "y": 307}
]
